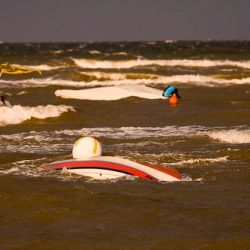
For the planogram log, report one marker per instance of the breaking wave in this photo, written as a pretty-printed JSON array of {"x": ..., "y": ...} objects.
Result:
[
  {"x": 231, "y": 136},
  {"x": 93, "y": 64},
  {"x": 18, "y": 114}
]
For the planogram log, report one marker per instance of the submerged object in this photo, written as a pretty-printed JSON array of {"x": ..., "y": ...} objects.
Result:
[
  {"x": 5, "y": 68},
  {"x": 87, "y": 161}
]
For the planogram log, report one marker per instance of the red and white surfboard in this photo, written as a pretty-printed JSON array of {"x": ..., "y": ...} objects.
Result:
[{"x": 107, "y": 167}]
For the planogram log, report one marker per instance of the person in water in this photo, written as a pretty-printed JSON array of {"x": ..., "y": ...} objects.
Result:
[
  {"x": 170, "y": 91},
  {"x": 5, "y": 102},
  {"x": 172, "y": 94}
]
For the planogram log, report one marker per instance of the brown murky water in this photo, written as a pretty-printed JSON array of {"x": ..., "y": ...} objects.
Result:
[{"x": 205, "y": 136}]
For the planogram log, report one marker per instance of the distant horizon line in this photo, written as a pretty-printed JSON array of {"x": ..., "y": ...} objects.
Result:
[{"x": 137, "y": 41}]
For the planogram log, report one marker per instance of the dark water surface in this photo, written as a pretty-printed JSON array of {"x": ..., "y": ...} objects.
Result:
[{"x": 206, "y": 136}]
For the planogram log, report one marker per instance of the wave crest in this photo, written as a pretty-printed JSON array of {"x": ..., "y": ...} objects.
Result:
[
  {"x": 231, "y": 136},
  {"x": 18, "y": 114}
]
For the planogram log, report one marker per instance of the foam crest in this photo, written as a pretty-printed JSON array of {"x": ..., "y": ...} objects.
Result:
[
  {"x": 18, "y": 114},
  {"x": 123, "y": 78},
  {"x": 8, "y": 171},
  {"x": 93, "y": 64},
  {"x": 138, "y": 132},
  {"x": 199, "y": 160},
  {"x": 232, "y": 136},
  {"x": 117, "y": 79},
  {"x": 43, "y": 139},
  {"x": 118, "y": 76}
]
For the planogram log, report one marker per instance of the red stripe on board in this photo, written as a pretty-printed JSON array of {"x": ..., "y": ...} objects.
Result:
[
  {"x": 101, "y": 165},
  {"x": 169, "y": 171}
]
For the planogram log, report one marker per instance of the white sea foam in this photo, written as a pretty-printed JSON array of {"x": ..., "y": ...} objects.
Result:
[
  {"x": 117, "y": 79},
  {"x": 8, "y": 171},
  {"x": 140, "y": 132},
  {"x": 51, "y": 141},
  {"x": 18, "y": 114},
  {"x": 233, "y": 136},
  {"x": 236, "y": 135},
  {"x": 124, "y": 78},
  {"x": 46, "y": 141},
  {"x": 110, "y": 132},
  {"x": 118, "y": 76},
  {"x": 30, "y": 168},
  {"x": 198, "y": 161},
  {"x": 94, "y": 64},
  {"x": 95, "y": 52}
]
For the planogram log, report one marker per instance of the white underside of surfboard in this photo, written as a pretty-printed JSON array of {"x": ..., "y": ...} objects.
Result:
[{"x": 111, "y": 93}]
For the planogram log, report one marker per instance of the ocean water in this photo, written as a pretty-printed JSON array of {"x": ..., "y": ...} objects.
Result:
[{"x": 206, "y": 137}]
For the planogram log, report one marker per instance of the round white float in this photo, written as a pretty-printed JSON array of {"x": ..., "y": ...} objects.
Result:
[{"x": 86, "y": 147}]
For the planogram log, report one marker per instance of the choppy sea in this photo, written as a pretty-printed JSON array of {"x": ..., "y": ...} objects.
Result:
[{"x": 206, "y": 137}]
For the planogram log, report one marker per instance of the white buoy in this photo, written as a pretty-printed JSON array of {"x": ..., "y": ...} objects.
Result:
[{"x": 86, "y": 147}]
